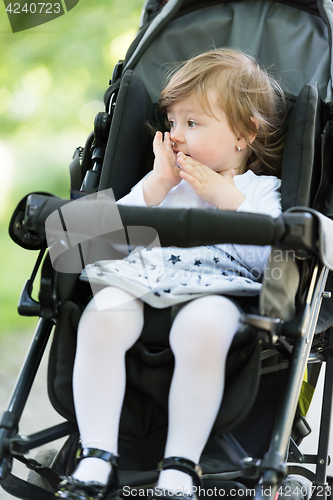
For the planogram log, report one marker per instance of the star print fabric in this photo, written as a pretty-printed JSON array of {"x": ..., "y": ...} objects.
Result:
[{"x": 163, "y": 277}]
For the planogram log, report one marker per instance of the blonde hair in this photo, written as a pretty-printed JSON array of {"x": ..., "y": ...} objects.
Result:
[{"x": 250, "y": 98}]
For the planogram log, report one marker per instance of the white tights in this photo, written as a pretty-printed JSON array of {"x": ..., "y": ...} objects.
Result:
[{"x": 200, "y": 338}]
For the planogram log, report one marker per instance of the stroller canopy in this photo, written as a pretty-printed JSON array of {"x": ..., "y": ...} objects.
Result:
[{"x": 292, "y": 40}]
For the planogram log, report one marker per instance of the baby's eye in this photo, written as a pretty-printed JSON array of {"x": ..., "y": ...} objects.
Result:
[
  {"x": 192, "y": 123},
  {"x": 171, "y": 123}
]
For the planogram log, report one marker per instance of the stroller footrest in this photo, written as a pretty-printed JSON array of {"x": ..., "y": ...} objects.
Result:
[{"x": 270, "y": 325}]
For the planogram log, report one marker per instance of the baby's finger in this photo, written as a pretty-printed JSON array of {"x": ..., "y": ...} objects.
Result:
[
  {"x": 229, "y": 173},
  {"x": 195, "y": 183},
  {"x": 188, "y": 165},
  {"x": 197, "y": 167},
  {"x": 167, "y": 137},
  {"x": 191, "y": 161},
  {"x": 167, "y": 141},
  {"x": 183, "y": 162},
  {"x": 158, "y": 140}
]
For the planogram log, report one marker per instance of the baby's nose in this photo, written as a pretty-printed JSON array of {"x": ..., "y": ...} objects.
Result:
[{"x": 176, "y": 136}]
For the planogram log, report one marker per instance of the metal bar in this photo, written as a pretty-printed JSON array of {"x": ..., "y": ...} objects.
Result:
[
  {"x": 18, "y": 399},
  {"x": 233, "y": 449},
  {"x": 325, "y": 422},
  {"x": 22, "y": 489},
  {"x": 29, "y": 369},
  {"x": 273, "y": 463},
  {"x": 296, "y": 452},
  {"x": 23, "y": 444},
  {"x": 308, "y": 459},
  {"x": 302, "y": 347}
]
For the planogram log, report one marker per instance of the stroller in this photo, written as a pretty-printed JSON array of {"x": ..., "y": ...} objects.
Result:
[{"x": 275, "y": 359}]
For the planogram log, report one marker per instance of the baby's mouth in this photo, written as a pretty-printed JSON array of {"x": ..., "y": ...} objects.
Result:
[
  {"x": 177, "y": 164},
  {"x": 176, "y": 152}
]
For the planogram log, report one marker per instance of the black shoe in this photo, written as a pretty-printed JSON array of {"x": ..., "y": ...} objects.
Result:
[
  {"x": 73, "y": 489},
  {"x": 182, "y": 465}
]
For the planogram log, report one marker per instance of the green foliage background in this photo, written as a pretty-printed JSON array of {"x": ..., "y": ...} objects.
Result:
[{"x": 52, "y": 81}]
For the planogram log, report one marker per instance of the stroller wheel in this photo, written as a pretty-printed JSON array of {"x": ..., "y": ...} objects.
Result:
[
  {"x": 295, "y": 488},
  {"x": 45, "y": 458}
]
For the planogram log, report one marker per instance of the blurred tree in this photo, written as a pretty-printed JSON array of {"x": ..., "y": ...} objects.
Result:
[{"x": 52, "y": 81}]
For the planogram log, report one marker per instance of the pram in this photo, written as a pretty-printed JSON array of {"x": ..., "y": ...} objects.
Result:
[{"x": 266, "y": 397}]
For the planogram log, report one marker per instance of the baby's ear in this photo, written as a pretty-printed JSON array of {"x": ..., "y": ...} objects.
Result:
[
  {"x": 253, "y": 135},
  {"x": 255, "y": 122}
]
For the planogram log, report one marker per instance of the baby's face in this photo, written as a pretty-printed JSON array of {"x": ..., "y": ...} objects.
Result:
[{"x": 207, "y": 139}]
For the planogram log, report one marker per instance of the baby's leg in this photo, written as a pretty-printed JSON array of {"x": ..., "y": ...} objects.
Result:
[
  {"x": 104, "y": 336},
  {"x": 200, "y": 339}
]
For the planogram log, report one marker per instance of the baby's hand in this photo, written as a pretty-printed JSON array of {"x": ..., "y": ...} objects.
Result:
[
  {"x": 165, "y": 173},
  {"x": 165, "y": 167},
  {"x": 218, "y": 189}
]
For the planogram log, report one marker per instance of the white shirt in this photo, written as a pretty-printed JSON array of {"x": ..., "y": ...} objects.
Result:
[{"x": 262, "y": 196}]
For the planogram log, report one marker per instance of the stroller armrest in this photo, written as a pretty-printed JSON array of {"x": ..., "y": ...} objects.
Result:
[
  {"x": 194, "y": 227},
  {"x": 27, "y": 224},
  {"x": 322, "y": 238},
  {"x": 299, "y": 228}
]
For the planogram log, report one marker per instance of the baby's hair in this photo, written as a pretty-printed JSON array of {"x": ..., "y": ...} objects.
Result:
[{"x": 252, "y": 100}]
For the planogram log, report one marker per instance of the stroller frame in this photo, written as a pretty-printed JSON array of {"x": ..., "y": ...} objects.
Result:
[
  {"x": 297, "y": 231},
  {"x": 269, "y": 471}
]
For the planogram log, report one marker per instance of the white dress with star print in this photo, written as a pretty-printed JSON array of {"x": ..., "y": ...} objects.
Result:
[{"x": 164, "y": 277}]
